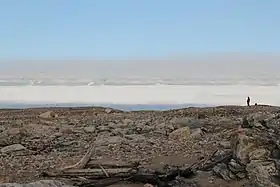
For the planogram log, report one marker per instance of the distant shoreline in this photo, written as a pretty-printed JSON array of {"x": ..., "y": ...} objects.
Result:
[
  {"x": 123, "y": 107},
  {"x": 120, "y": 107}
]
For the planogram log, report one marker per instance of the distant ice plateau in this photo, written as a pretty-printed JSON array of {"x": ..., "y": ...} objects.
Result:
[{"x": 213, "y": 69}]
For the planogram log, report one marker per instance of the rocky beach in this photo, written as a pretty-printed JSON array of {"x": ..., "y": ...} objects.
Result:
[{"x": 223, "y": 146}]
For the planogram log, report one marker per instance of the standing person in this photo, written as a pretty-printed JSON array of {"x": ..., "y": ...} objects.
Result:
[{"x": 248, "y": 101}]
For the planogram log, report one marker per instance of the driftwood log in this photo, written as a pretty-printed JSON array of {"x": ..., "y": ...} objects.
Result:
[
  {"x": 139, "y": 175},
  {"x": 110, "y": 164},
  {"x": 91, "y": 173}
]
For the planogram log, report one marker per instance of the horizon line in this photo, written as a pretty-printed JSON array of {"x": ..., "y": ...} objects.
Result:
[{"x": 143, "y": 57}]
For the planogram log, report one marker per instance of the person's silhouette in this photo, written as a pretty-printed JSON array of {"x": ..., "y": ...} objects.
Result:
[{"x": 248, "y": 101}]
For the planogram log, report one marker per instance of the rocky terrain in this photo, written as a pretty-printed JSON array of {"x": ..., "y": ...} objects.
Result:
[{"x": 222, "y": 146}]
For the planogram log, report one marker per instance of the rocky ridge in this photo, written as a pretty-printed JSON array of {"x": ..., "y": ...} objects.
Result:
[{"x": 234, "y": 145}]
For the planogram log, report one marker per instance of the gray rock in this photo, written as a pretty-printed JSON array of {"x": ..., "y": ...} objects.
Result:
[
  {"x": 245, "y": 123},
  {"x": 235, "y": 167},
  {"x": 120, "y": 132},
  {"x": 188, "y": 122},
  {"x": 148, "y": 185},
  {"x": 223, "y": 171},
  {"x": 68, "y": 143},
  {"x": 48, "y": 114},
  {"x": 232, "y": 175},
  {"x": 169, "y": 127},
  {"x": 278, "y": 144},
  {"x": 147, "y": 129},
  {"x": 242, "y": 147},
  {"x": 277, "y": 164},
  {"x": 66, "y": 129},
  {"x": 103, "y": 128},
  {"x": 57, "y": 134},
  {"x": 275, "y": 153},
  {"x": 219, "y": 154},
  {"x": 2, "y": 128},
  {"x": 160, "y": 126},
  {"x": 112, "y": 125},
  {"x": 12, "y": 148},
  {"x": 241, "y": 175},
  {"x": 225, "y": 144},
  {"x": 163, "y": 128},
  {"x": 15, "y": 132},
  {"x": 90, "y": 129},
  {"x": 109, "y": 140},
  {"x": 127, "y": 121},
  {"x": 196, "y": 133},
  {"x": 180, "y": 134},
  {"x": 139, "y": 127},
  {"x": 108, "y": 110},
  {"x": 260, "y": 173},
  {"x": 130, "y": 131},
  {"x": 260, "y": 119},
  {"x": 136, "y": 137},
  {"x": 182, "y": 182},
  {"x": 3, "y": 140},
  {"x": 122, "y": 125}
]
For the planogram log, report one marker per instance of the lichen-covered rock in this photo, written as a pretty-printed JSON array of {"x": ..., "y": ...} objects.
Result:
[
  {"x": 260, "y": 119},
  {"x": 48, "y": 115},
  {"x": 260, "y": 172},
  {"x": 242, "y": 145},
  {"x": 259, "y": 154},
  {"x": 179, "y": 134}
]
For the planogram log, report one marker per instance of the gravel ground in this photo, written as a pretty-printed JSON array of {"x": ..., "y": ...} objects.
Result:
[{"x": 49, "y": 138}]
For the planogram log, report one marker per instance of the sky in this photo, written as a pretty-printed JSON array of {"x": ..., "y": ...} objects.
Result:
[{"x": 119, "y": 29}]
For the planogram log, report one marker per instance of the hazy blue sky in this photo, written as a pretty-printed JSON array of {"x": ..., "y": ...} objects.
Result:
[{"x": 60, "y": 29}]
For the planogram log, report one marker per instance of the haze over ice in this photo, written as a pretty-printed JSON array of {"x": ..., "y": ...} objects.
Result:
[{"x": 130, "y": 53}]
